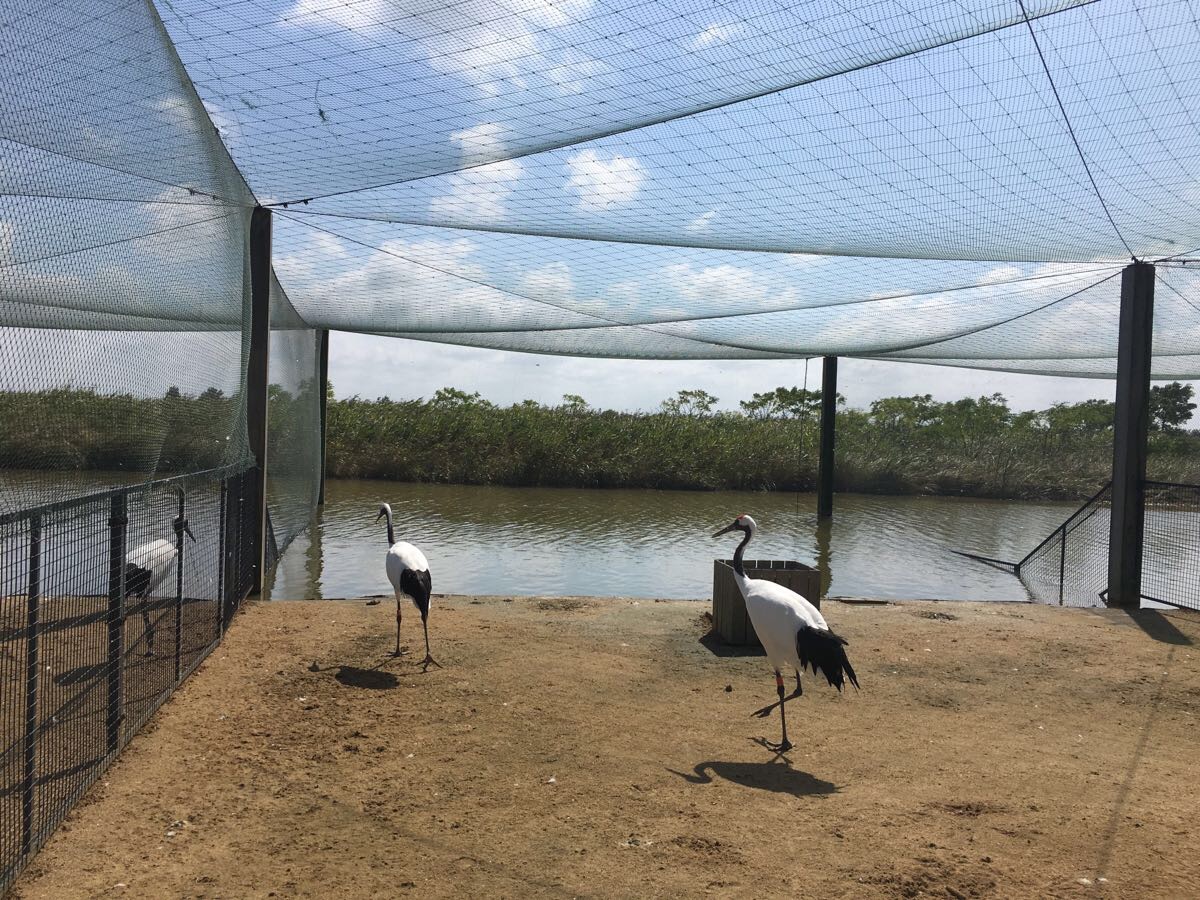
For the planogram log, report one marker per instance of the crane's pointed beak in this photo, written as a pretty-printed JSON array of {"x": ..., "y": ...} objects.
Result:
[
  {"x": 187, "y": 529},
  {"x": 380, "y": 516},
  {"x": 726, "y": 529}
]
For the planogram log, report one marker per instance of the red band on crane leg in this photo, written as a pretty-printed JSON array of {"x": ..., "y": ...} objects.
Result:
[{"x": 778, "y": 681}]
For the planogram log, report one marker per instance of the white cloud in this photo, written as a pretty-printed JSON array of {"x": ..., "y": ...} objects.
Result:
[
  {"x": 489, "y": 43},
  {"x": 604, "y": 183},
  {"x": 701, "y": 222},
  {"x": 479, "y": 193},
  {"x": 552, "y": 281},
  {"x": 717, "y": 33}
]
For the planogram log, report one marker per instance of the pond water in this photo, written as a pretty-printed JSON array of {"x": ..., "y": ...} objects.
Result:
[{"x": 637, "y": 543}]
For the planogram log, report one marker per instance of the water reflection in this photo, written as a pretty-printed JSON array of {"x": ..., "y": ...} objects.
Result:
[{"x": 531, "y": 541}]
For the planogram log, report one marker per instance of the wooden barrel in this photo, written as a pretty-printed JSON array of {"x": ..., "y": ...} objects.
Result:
[{"x": 730, "y": 620}]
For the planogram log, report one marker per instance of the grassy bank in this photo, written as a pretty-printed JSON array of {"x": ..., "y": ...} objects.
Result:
[{"x": 901, "y": 445}]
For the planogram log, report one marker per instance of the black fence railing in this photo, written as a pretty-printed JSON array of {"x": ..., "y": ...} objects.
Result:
[
  {"x": 1070, "y": 567},
  {"x": 1171, "y": 544},
  {"x": 107, "y": 603}
]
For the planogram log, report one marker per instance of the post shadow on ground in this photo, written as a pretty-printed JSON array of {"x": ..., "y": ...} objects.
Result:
[
  {"x": 776, "y": 775},
  {"x": 717, "y": 647},
  {"x": 1158, "y": 626}
]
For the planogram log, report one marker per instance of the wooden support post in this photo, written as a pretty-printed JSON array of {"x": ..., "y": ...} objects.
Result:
[
  {"x": 828, "y": 414},
  {"x": 324, "y": 386},
  {"x": 1132, "y": 424},
  {"x": 258, "y": 366}
]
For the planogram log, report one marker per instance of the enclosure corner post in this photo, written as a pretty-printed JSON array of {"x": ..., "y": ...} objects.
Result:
[
  {"x": 828, "y": 415},
  {"x": 257, "y": 380},
  {"x": 1130, "y": 429},
  {"x": 324, "y": 386}
]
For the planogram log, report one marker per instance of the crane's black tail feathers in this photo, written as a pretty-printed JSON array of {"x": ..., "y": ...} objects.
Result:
[{"x": 824, "y": 651}]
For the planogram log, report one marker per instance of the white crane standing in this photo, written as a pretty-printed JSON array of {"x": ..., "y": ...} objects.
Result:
[
  {"x": 408, "y": 571},
  {"x": 146, "y": 567},
  {"x": 792, "y": 631}
]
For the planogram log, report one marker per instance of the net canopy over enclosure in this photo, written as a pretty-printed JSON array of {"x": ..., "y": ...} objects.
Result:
[{"x": 947, "y": 182}]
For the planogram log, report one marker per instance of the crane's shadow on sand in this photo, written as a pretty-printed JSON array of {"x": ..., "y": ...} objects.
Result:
[
  {"x": 776, "y": 775},
  {"x": 375, "y": 678}
]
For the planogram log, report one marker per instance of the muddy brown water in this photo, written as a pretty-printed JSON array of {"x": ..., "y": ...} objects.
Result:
[{"x": 638, "y": 543}]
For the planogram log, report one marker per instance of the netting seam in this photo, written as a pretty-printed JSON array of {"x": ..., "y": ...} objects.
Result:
[
  {"x": 112, "y": 168},
  {"x": 1071, "y": 131},
  {"x": 978, "y": 330},
  {"x": 125, "y": 240},
  {"x": 665, "y": 242},
  {"x": 620, "y": 323}
]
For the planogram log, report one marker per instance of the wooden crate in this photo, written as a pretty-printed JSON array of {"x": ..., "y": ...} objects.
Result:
[{"x": 730, "y": 620}]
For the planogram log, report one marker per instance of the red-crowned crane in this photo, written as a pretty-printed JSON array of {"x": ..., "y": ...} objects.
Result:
[
  {"x": 146, "y": 567},
  {"x": 408, "y": 571},
  {"x": 792, "y": 631}
]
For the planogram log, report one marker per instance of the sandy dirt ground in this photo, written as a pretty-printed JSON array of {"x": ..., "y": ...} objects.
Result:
[{"x": 604, "y": 748}]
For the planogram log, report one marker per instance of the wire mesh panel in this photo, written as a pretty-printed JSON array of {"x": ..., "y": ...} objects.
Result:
[
  {"x": 294, "y": 424},
  {"x": 106, "y": 604},
  {"x": 1070, "y": 567},
  {"x": 1171, "y": 544}
]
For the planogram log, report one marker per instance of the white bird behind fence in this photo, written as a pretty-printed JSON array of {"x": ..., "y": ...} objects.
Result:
[
  {"x": 408, "y": 571},
  {"x": 792, "y": 631},
  {"x": 147, "y": 567}
]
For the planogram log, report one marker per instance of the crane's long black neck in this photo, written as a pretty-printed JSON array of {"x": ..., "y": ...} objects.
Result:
[
  {"x": 391, "y": 533},
  {"x": 737, "y": 554}
]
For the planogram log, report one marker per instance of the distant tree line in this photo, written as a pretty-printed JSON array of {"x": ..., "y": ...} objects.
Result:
[{"x": 973, "y": 446}]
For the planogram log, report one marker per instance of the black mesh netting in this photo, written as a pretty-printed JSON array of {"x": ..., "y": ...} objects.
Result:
[
  {"x": 935, "y": 181},
  {"x": 293, "y": 422}
]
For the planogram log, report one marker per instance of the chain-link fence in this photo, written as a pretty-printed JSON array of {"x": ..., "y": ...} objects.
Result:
[
  {"x": 1070, "y": 567},
  {"x": 107, "y": 603},
  {"x": 1171, "y": 544}
]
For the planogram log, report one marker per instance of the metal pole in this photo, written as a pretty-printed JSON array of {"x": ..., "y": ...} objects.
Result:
[
  {"x": 324, "y": 386},
  {"x": 1062, "y": 567},
  {"x": 32, "y": 611},
  {"x": 117, "y": 522},
  {"x": 828, "y": 413},
  {"x": 1130, "y": 429},
  {"x": 222, "y": 569},
  {"x": 257, "y": 379},
  {"x": 180, "y": 524}
]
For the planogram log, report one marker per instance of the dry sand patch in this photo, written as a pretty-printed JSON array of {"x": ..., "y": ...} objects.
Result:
[{"x": 604, "y": 749}]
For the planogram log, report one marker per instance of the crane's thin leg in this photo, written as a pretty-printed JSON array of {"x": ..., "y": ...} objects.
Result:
[
  {"x": 399, "y": 616},
  {"x": 429, "y": 660},
  {"x": 147, "y": 628},
  {"x": 784, "y": 745},
  {"x": 766, "y": 710}
]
